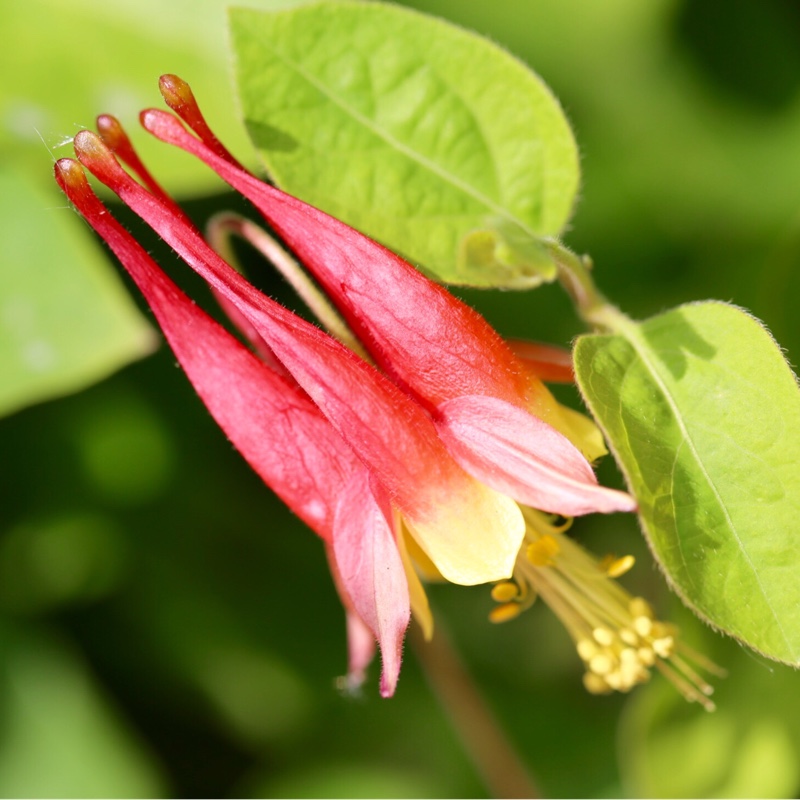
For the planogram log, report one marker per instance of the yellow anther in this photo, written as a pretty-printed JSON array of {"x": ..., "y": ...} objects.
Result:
[
  {"x": 595, "y": 684},
  {"x": 586, "y": 649},
  {"x": 639, "y": 607},
  {"x": 603, "y": 636},
  {"x": 614, "y": 680},
  {"x": 543, "y": 552},
  {"x": 627, "y": 680},
  {"x": 633, "y": 673},
  {"x": 628, "y": 637},
  {"x": 663, "y": 647},
  {"x": 617, "y": 637},
  {"x": 504, "y": 612},
  {"x": 661, "y": 629},
  {"x": 646, "y": 656},
  {"x": 601, "y": 664},
  {"x": 606, "y": 561},
  {"x": 619, "y": 566},
  {"x": 505, "y": 591}
]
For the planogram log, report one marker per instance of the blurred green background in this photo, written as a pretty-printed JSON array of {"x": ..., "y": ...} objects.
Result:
[{"x": 166, "y": 627}]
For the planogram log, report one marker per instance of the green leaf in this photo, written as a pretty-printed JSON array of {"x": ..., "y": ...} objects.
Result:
[
  {"x": 65, "y": 318},
  {"x": 429, "y": 138},
  {"x": 61, "y": 736},
  {"x": 703, "y": 414},
  {"x": 68, "y": 62}
]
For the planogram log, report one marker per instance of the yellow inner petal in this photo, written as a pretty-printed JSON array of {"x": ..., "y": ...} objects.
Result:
[
  {"x": 424, "y": 566},
  {"x": 473, "y": 537},
  {"x": 419, "y": 599},
  {"x": 577, "y": 427}
]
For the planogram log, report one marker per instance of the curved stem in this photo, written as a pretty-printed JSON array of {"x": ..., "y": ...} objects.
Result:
[
  {"x": 225, "y": 224},
  {"x": 574, "y": 273},
  {"x": 489, "y": 748}
]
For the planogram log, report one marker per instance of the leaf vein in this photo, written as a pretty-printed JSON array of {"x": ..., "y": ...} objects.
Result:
[
  {"x": 641, "y": 349},
  {"x": 407, "y": 151}
]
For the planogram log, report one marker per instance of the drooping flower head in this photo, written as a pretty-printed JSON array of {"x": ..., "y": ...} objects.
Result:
[{"x": 429, "y": 440}]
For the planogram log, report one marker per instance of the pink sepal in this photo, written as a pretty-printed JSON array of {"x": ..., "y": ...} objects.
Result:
[
  {"x": 432, "y": 344},
  {"x": 361, "y": 649},
  {"x": 270, "y": 420},
  {"x": 361, "y": 644},
  {"x": 518, "y": 454},
  {"x": 371, "y": 569},
  {"x": 386, "y": 429}
]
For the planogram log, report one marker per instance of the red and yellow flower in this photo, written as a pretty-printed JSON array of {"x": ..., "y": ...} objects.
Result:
[{"x": 431, "y": 446}]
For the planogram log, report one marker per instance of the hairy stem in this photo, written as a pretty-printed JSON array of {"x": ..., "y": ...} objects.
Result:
[
  {"x": 225, "y": 224},
  {"x": 574, "y": 273}
]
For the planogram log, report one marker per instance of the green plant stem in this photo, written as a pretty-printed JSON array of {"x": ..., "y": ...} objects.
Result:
[
  {"x": 574, "y": 273},
  {"x": 490, "y": 750}
]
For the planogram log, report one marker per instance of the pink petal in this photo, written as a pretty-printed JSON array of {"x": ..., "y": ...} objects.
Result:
[
  {"x": 361, "y": 645},
  {"x": 360, "y": 650},
  {"x": 272, "y": 423},
  {"x": 372, "y": 572},
  {"x": 246, "y": 329},
  {"x": 518, "y": 454},
  {"x": 471, "y": 533},
  {"x": 433, "y": 344}
]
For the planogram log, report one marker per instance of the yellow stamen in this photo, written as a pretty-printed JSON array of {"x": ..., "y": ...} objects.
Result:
[
  {"x": 663, "y": 647},
  {"x": 505, "y": 612},
  {"x": 639, "y": 607},
  {"x": 603, "y": 636},
  {"x": 617, "y": 636},
  {"x": 586, "y": 649},
  {"x": 543, "y": 552},
  {"x": 629, "y": 637},
  {"x": 601, "y": 664},
  {"x": 595, "y": 684},
  {"x": 619, "y": 566},
  {"x": 505, "y": 591},
  {"x": 647, "y": 656}
]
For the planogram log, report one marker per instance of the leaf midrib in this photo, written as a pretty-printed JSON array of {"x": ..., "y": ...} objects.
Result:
[
  {"x": 407, "y": 151},
  {"x": 631, "y": 333}
]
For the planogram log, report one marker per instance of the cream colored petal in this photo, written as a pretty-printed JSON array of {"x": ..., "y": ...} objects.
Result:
[
  {"x": 577, "y": 427},
  {"x": 472, "y": 538},
  {"x": 582, "y": 432},
  {"x": 425, "y": 568}
]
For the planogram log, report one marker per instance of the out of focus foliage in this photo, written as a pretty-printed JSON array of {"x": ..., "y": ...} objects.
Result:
[{"x": 167, "y": 628}]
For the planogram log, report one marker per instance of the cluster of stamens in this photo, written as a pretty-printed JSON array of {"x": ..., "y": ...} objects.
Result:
[{"x": 616, "y": 635}]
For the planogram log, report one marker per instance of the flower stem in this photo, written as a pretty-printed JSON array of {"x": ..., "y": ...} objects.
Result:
[
  {"x": 219, "y": 230},
  {"x": 490, "y": 750},
  {"x": 574, "y": 273}
]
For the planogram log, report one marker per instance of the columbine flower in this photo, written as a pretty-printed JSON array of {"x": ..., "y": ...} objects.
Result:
[{"x": 434, "y": 447}]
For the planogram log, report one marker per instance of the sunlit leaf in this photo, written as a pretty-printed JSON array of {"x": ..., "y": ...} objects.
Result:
[
  {"x": 703, "y": 414},
  {"x": 64, "y": 63},
  {"x": 431, "y": 139},
  {"x": 60, "y": 736},
  {"x": 65, "y": 319}
]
